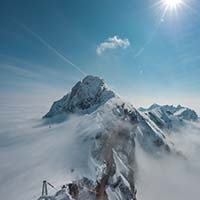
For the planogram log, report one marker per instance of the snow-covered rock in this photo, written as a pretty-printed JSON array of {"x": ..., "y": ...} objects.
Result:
[
  {"x": 169, "y": 116},
  {"x": 86, "y": 96},
  {"x": 110, "y": 144},
  {"x": 186, "y": 114},
  {"x": 92, "y": 95}
]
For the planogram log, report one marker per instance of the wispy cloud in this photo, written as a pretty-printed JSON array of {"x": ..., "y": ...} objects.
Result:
[{"x": 112, "y": 43}]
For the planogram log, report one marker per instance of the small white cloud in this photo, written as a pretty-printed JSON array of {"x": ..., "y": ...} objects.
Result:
[{"x": 112, "y": 43}]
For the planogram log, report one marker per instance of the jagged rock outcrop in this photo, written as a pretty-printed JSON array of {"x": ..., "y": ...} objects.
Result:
[{"x": 85, "y": 97}]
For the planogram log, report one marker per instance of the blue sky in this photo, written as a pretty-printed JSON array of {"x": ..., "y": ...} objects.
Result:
[{"x": 160, "y": 63}]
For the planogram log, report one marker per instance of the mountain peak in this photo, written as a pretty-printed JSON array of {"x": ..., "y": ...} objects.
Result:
[
  {"x": 170, "y": 113},
  {"x": 153, "y": 106},
  {"x": 92, "y": 79},
  {"x": 86, "y": 96}
]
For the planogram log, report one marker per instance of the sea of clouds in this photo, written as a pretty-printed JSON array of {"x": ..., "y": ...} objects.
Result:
[{"x": 31, "y": 152}]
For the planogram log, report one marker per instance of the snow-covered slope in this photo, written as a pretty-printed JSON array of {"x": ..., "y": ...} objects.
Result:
[{"x": 107, "y": 139}]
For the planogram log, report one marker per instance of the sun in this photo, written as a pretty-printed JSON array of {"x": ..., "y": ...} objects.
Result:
[{"x": 172, "y": 4}]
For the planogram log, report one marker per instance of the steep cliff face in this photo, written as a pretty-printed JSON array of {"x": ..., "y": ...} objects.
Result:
[
  {"x": 115, "y": 149},
  {"x": 114, "y": 155}
]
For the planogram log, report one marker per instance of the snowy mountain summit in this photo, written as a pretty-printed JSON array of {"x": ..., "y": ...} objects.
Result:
[
  {"x": 169, "y": 116},
  {"x": 108, "y": 129},
  {"x": 86, "y": 96},
  {"x": 186, "y": 113},
  {"x": 178, "y": 111}
]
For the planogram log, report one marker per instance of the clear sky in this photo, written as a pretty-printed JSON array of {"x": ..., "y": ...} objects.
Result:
[{"x": 144, "y": 52}]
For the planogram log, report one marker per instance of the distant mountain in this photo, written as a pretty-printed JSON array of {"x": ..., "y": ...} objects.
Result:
[
  {"x": 169, "y": 116},
  {"x": 109, "y": 129}
]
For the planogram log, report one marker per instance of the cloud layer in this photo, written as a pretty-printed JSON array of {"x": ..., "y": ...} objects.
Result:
[
  {"x": 112, "y": 43},
  {"x": 170, "y": 177}
]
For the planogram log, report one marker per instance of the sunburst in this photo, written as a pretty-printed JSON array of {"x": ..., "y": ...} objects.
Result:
[{"x": 172, "y": 4}]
